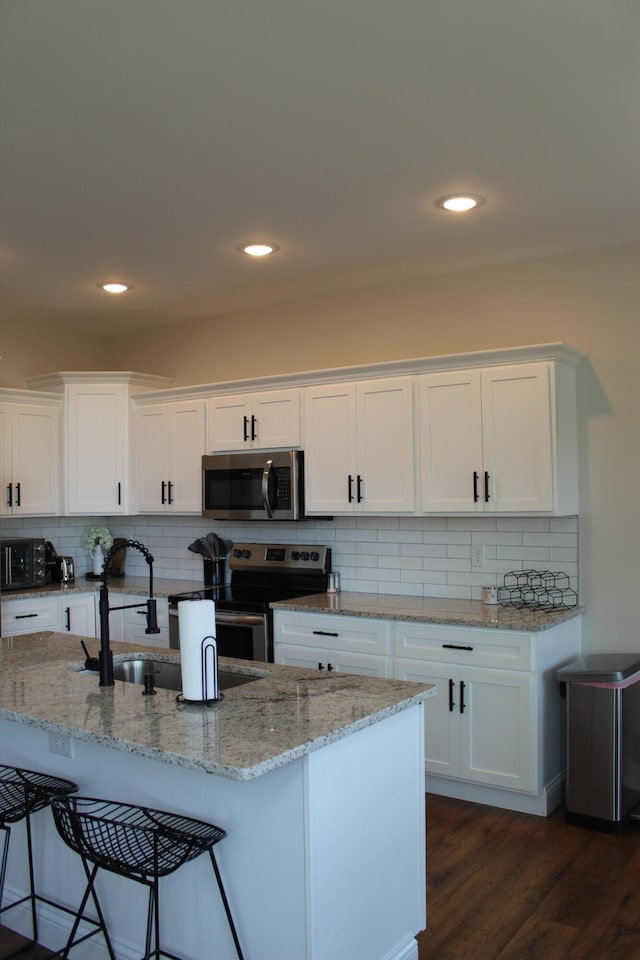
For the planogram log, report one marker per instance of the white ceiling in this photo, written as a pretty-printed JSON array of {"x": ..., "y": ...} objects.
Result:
[{"x": 146, "y": 139}]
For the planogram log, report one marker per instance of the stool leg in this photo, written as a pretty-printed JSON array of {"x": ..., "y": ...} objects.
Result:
[
  {"x": 226, "y": 904},
  {"x": 32, "y": 883},
  {"x": 5, "y": 854},
  {"x": 89, "y": 891}
]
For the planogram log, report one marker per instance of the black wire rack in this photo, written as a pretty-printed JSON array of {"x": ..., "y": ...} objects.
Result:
[
  {"x": 537, "y": 590},
  {"x": 133, "y": 841}
]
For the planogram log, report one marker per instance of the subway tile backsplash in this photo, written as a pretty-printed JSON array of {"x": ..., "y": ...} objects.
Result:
[{"x": 431, "y": 557}]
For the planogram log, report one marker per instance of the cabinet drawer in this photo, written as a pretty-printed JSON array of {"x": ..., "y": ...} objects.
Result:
[
  {"x": 360, "y": 634},
  {"x": 502, "y": 649},
  {"x": 27, "y": 616}
]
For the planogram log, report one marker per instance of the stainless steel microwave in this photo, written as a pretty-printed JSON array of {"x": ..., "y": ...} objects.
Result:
[{"x": 253, "y": 486}]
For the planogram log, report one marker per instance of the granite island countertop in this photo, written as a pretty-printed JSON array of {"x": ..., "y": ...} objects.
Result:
[
  {"x": 259, "y": 726},
  {"x": 458, "y": 613}
]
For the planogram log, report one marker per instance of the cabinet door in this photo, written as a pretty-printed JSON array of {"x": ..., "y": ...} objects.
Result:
[
  {"x": 330, "y": 449},
  {"x": 450, "y": 442},
  {"x": 5, "y": 459},
  {"x": 442, "y": 725},
  {"x": 517, "y": 440},
  {"x": 385, "y": 446},
  {"x": 497, "y": 743},
  {"x": 35, "y": 459},
  {"x": 97, "y": 458},
  {"x": 276, "y": 420},
  {"x": 153, "y": 458},
  {"x": 78, "y": 615},
  {"x": 187, "y": 438},
  {"x": 228, "y": 423}
]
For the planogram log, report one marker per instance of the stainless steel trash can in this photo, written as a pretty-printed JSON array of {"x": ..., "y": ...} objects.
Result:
[{"x": 603, "y": 740}]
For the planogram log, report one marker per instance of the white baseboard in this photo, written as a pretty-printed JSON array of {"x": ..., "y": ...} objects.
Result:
[{"x": 540, "y": 805}]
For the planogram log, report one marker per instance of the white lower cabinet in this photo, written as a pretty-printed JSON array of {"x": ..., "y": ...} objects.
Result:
[
  {"x": 64, "y": 614},
  {"x": 128, "y": 621},
  {"x": 344, "y": 644},
  {"x": 480, "y": 724},
  {"x": 494, "y": 733}
]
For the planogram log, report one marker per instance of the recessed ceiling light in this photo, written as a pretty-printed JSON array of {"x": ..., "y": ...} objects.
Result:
[
  {"x": 259, "y": 249},
  {"x": 460, "y": 202},
  {"x": 114, "y": 287}
]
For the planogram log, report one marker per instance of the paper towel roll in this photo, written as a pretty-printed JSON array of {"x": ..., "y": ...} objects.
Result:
[{"x": 198, "y": 649}]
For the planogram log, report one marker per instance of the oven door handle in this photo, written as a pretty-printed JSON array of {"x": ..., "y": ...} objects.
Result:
[
  {"x": 266, "y": 474},
  {"x": 239, "y": 619}
]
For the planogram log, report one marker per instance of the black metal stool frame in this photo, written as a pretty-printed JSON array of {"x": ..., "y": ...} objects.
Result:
[
  {"x": 137, "y": 842},
  {"x": 22, "y": 793}
]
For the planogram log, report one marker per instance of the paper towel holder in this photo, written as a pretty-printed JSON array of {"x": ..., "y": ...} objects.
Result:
[{"x": 208, "y": 649}]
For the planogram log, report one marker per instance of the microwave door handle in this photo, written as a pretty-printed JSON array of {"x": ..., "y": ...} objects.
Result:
[{"x": 266, "y": 473}]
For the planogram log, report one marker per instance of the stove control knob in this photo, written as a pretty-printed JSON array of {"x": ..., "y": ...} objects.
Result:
[
  {"x": 295, "y": 554},
  {"x": 304, "y": 555},
  {"x": 315, "y": 556},
  {"x": 246, "y": 554},
  {"x": 236, "y": 554}
]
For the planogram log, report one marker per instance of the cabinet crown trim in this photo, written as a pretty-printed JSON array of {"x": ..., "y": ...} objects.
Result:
[
  {"x": 136, "y": 381},
  {"x": 558, "y": 351}
]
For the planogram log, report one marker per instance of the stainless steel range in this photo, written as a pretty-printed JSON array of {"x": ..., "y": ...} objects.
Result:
[{"x": 261, "y": 573}]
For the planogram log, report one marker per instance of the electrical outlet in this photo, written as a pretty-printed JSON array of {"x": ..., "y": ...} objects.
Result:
[
  {"x": 478, "y": 556},
  {"x": 60, "y": 744}
]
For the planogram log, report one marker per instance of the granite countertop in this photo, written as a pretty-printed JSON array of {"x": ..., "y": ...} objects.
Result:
[
  {"x": 458, "y": 613},
  {"x": 138, "y": 586},
  {"x": 256, "y": 728}
]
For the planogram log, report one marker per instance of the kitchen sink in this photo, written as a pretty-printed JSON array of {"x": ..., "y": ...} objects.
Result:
[{"x": 167, "y": 676}]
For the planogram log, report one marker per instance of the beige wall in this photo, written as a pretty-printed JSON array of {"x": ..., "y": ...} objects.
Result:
[
  {"x": 26, "y": 350},
  {"x": 590, "y": 300}
]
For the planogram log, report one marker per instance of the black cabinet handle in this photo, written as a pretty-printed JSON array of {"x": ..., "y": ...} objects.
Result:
[
  {"x": 162, "y": 493},
  {"x": 321, "y": 666},
  {"x": 245, "y": 428},
  {"x": 25, "y": 616},
  {"x": 325, "y": 633},
  {"x": 253, "y": 428},
  {"x": 462, "y": 704},
  {"x": 451, "y": 703},
  {"x": 170, "y": 489},
  {"x": 455, "y": 646},
  {"x": 476, "y": 495},
  {"x": 350, "y": 489},
  {"x": 329, "y": 667},
  {"x": 67, "y": 614},
  {"x": 359, "y": 488},
  {"x": 17, "y": 494},
  {"x": 119, "y": 494},
  {"x": 9, "y": 494},
  {"x": 486, "y": 486}
]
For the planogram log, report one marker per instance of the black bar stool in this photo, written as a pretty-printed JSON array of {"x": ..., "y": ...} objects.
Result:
[
  {"x": 136, "y": 842},
  {"x": 23, "y": 792}
]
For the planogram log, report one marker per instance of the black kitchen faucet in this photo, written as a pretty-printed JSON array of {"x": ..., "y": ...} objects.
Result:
[{"x": 105, "y": 658}]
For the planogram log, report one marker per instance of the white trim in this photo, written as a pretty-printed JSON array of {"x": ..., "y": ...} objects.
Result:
[{"x": 540, "y": 805}]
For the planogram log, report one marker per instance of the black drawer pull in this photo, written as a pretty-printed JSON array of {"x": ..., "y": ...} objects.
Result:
[
  {"x": 325, "y": 633},
  {"x": 26, "y": 616},
  {"x": 67, "y": 614},
  {"x": 455, "y": 646}
]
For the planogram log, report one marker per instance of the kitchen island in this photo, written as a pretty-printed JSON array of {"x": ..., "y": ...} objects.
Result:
[{"x": 318, "y": 780}]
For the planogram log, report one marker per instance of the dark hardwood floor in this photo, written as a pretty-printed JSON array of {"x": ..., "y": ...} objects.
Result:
[{"x": 507, "y": 886}]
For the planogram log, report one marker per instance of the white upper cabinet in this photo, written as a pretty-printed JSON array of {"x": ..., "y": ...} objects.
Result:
[
  {"x": 29, "y": 455},
  {"x": 259, "y": 421},
  {"x": 359, "y": 443},
  {"x": 500, "y": 439},
  {"x": 97, "y": 436},
  {"x": 169, "y": 449}
]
